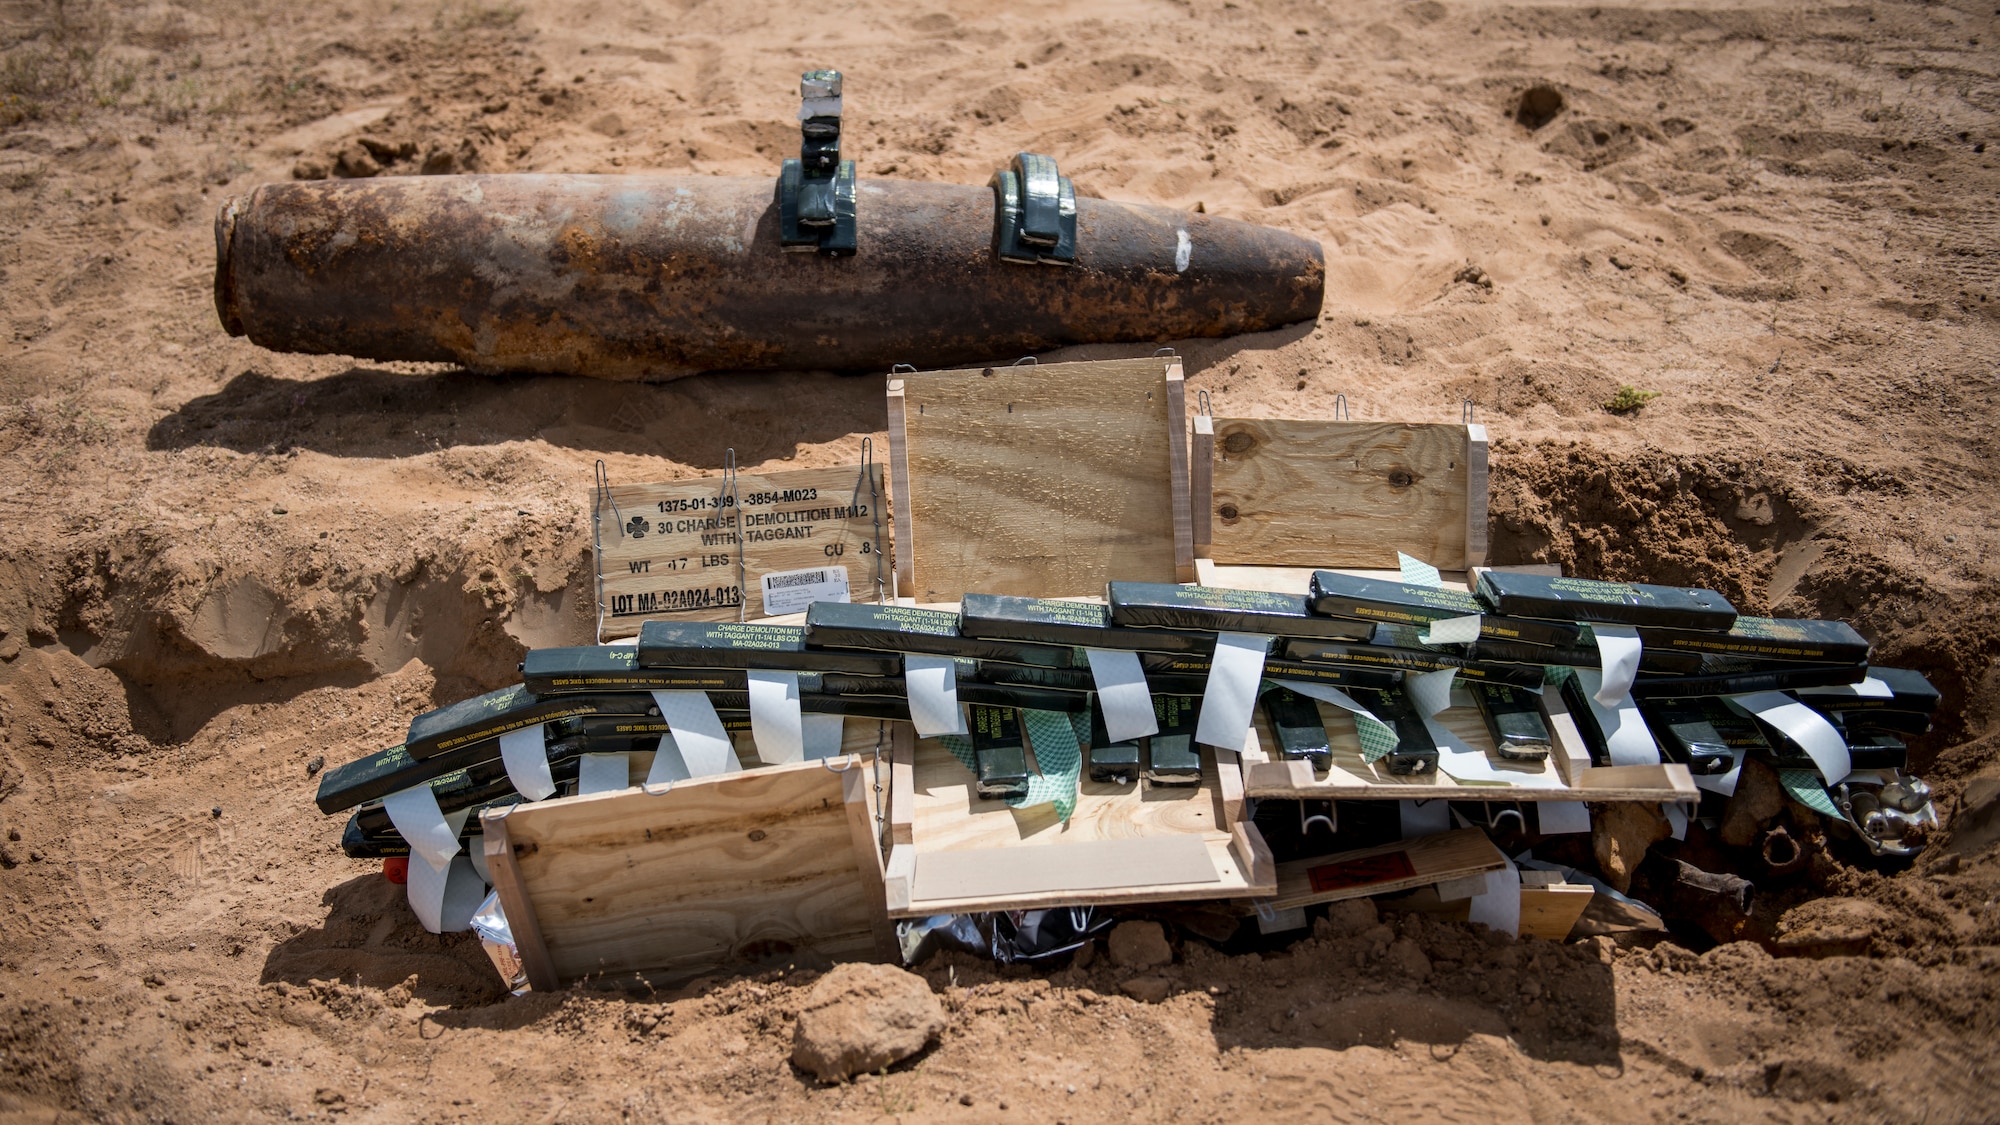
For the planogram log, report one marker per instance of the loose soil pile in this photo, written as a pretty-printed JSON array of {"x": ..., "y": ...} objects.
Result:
[{"x": 223, "y": 566}]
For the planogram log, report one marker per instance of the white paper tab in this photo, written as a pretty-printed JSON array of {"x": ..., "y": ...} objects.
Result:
[
  {"x": 824, "y": 735},
  {"x": 602, "y": 773},
  {"x": 1618, "y": 648},
  {"x": 414, "y": 812},
  {"x": 1331, "y": 695},
  {"x": 1558, "y": 818},
  {"x": 1417, "y": 572},
  {"x": 444, "y": 901},
  {"x": 932, "y": 685},
  {"x": 1804, "y": 726},
  {"x": 1430, "y": 691},
  {"x": 1626, "y": 738},
  {"x": 526, "y": 757},
  {"x": 1452, "y": 631},
  {"x": 1230, "y": 695},
  {"x": 1424, "y": 818},
  {"x": 704, "y": 746},
  {"x": 668, "y": 765},
  {"x": 1499, "y": 906},
  {"x": 1123, "y": 694},
  {"x": 791, "y": 591},
  {"x": 1677, "y": 819},
  {"x": 775, "y": 723}
]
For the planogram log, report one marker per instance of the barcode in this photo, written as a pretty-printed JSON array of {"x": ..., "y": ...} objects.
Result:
[{"x": 802, "y": 578}]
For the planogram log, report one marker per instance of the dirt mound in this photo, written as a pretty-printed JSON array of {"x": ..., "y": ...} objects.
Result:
[{"x": 1728, "y": 303}]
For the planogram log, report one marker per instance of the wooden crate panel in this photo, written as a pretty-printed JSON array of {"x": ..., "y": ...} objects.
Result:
[
  {"x": 1385, "y": 869},
  {"x": 1042, "y": 481},
  {"x": 1123, "y": 843},
  {"x": 1344, "y": 494},
  {"x": 716, "y": 869}
]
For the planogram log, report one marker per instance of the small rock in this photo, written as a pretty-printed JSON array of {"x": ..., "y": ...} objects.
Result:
[
  {"x": 1346, "y": 918},
  {"x": 1830, "y": 927},
  {"x": 355, "y": 163},
  {"x": 1139, "y": 945},
  {"x": 14, "y": 834},
  {"x": 1146, "y": 990},
  {"x": 216, "y": 812},
  {"x": 1976, "y": 825},
  {"x": 1406, "y": 955},
  {"x": 325, "y": 1096},
  {"x": 311, "y": 168},
  {"x": 965, "y": 1099},
  {"x": 10, "y": 648},
  {"x": 1620, "y": 833},
  {"x": 317, "y": 764},
  {"x": 861, "y": 1018}
]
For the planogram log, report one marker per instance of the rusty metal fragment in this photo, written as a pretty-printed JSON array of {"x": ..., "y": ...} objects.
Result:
[{"x": 652, "y": 277}]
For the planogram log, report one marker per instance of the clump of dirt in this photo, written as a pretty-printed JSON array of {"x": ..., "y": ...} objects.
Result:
[{"x": 225, "y": 565}]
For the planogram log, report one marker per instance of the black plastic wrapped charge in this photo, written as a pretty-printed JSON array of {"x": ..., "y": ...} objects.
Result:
[
  {"x": 1217, "y": 609},
  {"x": 731, "y": 644},
  {"x": 1613, "y": 603},
  {"x": 907, "y": 629}
]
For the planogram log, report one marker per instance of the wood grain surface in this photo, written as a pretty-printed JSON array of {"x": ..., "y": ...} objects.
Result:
[
  {"x": 1045, "y": 481},
  {"x": 668, "y": 550},
  {"x": 1430, "y": 859},
  {"x": 713, "y": 870},
  {"x": 1338, "y": 494}
]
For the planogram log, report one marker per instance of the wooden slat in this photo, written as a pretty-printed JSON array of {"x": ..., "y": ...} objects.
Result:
[
  {"x": 902, "y": 782},
  {"x": 899, "y": 490},
  {"x": 1201, "y": 484},
  {"x": 1229, "y": 782},
  {"x": 949, "y": 818},
  {"x": 717, "y": 868},
  {"x": 1475, "y": 495},
  {"x": 1344, "y": 494},
  {"x": 1550, "y": 911},
  {"x": 1178, "y": 467},
  {"x": 521, "y": 920},
  {"x": 1387, "y": 868},
  {"x": 854, "y": 796},
  {"x": 1248, "y": 846},
  {"x": 1063, "y": 869},
  {"x": 1566, "y": 744},
  {"x": 1045, "y": 481},
  {"x": 1298, "y": 579}
]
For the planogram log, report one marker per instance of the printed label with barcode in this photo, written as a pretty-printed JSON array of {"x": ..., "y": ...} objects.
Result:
[{"x": 792, "y": 591}]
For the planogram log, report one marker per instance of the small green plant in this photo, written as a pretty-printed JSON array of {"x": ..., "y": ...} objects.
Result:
[{"x": 1629, "y": 399}]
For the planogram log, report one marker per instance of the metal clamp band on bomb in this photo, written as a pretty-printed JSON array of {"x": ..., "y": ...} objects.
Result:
[
  {"x": 816, "y": 191},
  {"x": 1034, "y": 213}
]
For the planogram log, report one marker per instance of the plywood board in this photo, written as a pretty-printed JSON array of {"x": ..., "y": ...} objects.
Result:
[
  {"x": 985, "y": 839},
  {"x": 1550, "y": 911},
  {"x": 670, "y": 550},
  {"x": 1044, "y": 481},
  {"x": 713, "y": 870},
  {"x": 1289, "y": 492},
  {"x": 1385, "y": 869},
  {"x": 1087, "y": 865}
]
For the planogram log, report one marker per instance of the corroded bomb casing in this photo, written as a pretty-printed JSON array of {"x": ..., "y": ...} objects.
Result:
[{"x": 651, "y": 277}]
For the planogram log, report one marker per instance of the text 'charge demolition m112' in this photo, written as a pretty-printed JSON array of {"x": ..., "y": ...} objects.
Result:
[{"x": 671, "y": 549}]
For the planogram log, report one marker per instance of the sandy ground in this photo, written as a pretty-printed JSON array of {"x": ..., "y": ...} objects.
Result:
[{"x": 218, "y": 564}]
